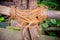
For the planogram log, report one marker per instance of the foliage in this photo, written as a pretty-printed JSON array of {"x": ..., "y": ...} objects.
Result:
[
  {"x": 52, "y": 5},
  {"x": 1, "y": 19},
  {"x": 51, "y": 23},
  {"x": 52, "y": 34}
]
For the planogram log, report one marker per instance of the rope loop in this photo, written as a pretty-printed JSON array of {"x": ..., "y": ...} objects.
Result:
[{"x": 29, "y": 18}]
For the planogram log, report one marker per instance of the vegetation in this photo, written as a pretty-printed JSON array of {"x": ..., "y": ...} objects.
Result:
[
  {"x": 52, "y": 5},
  {"x": 13, "y": 28},
  {"x": 1, "y": 18}
]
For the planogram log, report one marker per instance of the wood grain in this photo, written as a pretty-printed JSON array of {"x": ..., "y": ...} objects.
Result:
[
  {"x": 5, "y": 10},
  {"x": 53, "y": 14}
]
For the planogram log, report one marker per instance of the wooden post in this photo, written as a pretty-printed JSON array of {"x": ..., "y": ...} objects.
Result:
[
  {"x": 32, "y": 4},
  {"x": 28, "y": 4}
]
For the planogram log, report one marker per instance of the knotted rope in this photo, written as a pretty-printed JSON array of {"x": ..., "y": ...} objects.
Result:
[{"x": 29, "y": 18}]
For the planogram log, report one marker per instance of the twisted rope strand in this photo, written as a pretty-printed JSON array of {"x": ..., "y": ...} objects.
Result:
[{"x": 29, "y": 18}]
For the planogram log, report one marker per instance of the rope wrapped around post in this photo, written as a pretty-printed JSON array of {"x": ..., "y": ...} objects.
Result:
[{"x": 29, "y": 18}]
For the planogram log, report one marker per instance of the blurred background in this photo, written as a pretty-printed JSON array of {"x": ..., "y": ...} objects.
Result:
[{"x": 51, "y": 27}]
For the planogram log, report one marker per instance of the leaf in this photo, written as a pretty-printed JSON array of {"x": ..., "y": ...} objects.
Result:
[
  {"x": 52, "y": 34},
  {"x": 49, "y": 8},
  {"x": 51, "y": 24},
  {"x": 45, "y": 25},
  {"x": 58, "y": 22},
  {"x": 2, "y": 19},
  {"x": 53, "y": 21}
]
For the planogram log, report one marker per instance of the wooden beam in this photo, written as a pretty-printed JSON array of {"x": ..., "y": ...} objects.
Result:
[
  {"x": 5, "y": 10},
  {"x": 50, "y": 13},
  {"x": 53, "y": 14},
  {"x": 6, "y": 3}
]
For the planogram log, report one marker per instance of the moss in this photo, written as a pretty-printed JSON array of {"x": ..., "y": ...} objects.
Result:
[{"x": 13, "y": 28}]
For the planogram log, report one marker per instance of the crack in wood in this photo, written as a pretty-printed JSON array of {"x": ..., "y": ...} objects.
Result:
[{"x": 27, "y": 4}]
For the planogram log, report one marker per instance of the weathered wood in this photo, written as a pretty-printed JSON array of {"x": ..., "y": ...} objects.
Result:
[
  {"x": 5, "y": 10},
  {"x": 26, "y": 4},
  {"x": 32, "y": 4},
  {"x": 32, "y": 33},
  {"x": 6, "y": 34},
  {"x": 20, "y": 4},
  {"x": 6, "y": 0},
  {"x": 53, "y": 14},
  {"x": 50, "y": 13},
  {"x": 6, "y": 3}
]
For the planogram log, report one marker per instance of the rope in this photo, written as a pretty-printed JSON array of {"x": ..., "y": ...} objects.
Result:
[{"x": 29, "y": 18}]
